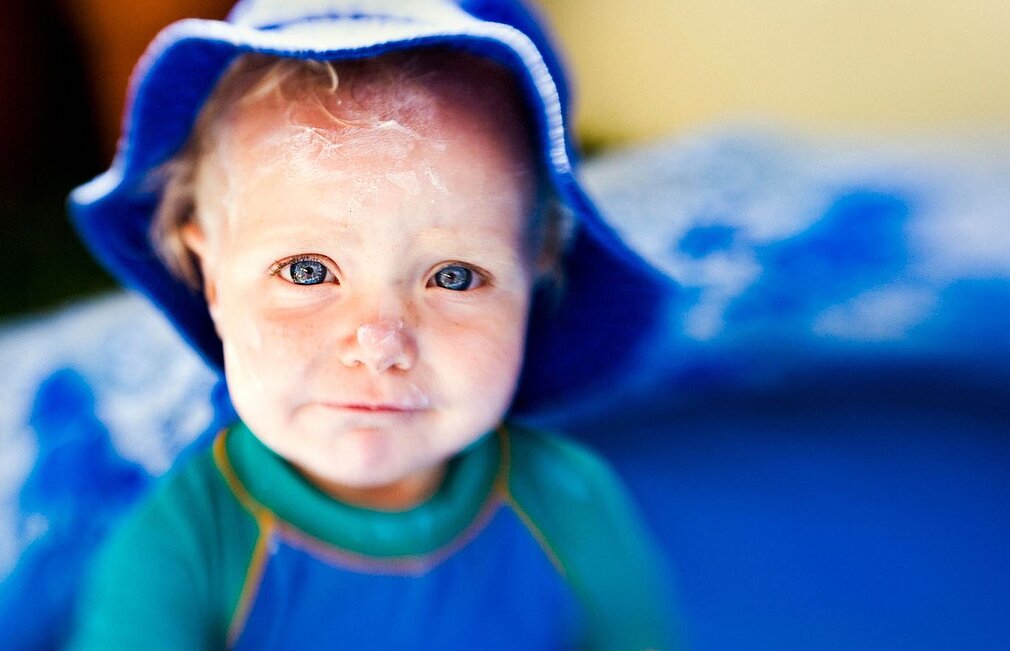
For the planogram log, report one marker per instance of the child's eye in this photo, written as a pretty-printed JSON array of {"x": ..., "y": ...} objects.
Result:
[
  {"x": 457, "y": 278},
  {"x": 307, "y": 272},
  {"x": 303, "y": 271}
]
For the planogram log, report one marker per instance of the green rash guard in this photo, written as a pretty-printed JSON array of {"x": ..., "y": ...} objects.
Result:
[{"x": 529, "y": 543}]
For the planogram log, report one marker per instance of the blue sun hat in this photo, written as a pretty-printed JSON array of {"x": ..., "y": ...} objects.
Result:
[{"x": 578, "y": 344}]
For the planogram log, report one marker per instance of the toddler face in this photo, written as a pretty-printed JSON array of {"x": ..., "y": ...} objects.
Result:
[{"x": 370, "y": 286}]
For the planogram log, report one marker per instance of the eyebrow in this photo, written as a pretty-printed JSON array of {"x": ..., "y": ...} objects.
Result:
[
  {"x": 335, "y": 228},
  {"x": 474, "y": 236},
  {"x": 477, "y": 249}
]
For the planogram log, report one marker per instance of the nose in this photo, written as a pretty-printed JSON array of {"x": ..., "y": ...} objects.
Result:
[{"x": 381, "y": 344}]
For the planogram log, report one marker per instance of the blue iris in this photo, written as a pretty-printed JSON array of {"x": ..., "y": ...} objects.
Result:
[
  {"x": 308, "y": 272},
  {"x": 454, "y": 277}
]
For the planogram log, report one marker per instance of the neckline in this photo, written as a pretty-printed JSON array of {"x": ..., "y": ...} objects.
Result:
[{"x": 265, "y": 482}]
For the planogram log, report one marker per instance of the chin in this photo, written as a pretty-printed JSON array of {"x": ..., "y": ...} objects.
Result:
[{"x": 362, "y": 459}]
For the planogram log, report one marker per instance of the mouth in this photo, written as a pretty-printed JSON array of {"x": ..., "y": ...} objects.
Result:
[
  {"x": 398, "y": 407},
  {"x": 410, "y": 401},
  {"x": 368, "y": 408}
]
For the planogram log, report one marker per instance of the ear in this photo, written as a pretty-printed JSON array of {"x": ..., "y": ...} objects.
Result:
[{"x": 195, "y": 239}]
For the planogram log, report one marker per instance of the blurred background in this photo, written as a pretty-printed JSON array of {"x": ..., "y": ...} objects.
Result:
[
  {"x": 821, "y": 435},
  {"x": 654, "y": 67},
  {"x": 66, "y": 64},
  {"x": 644, "y": 69}
]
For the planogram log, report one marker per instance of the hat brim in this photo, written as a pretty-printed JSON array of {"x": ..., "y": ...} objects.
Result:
[{"x": 578, "y": 343}]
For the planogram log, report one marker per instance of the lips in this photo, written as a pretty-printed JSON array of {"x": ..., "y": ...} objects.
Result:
[
  {"x": 414, "y": 402},
  {"x": 403, "y": 399},
  {"x": 375, "y": 408}
]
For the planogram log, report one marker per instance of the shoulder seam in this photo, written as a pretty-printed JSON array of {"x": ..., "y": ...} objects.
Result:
[
  {"x": 508, "y": 498},
  {"x": 253, "y": 577},
  {"x": 231, "y": 478}
]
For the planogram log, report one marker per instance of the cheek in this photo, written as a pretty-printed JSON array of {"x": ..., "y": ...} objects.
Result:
[
  {"x": 482, "y": 355},
  {"x": 267, "y": 356}
]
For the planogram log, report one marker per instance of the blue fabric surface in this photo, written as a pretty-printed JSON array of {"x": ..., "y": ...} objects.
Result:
[
  {"x": 515, "y": 597},
  {"x": 839, "y": 509},
  {"x": 820, "y": 436}
]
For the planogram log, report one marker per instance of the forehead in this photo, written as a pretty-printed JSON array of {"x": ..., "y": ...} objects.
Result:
[
  {"x": 356, "y": 137},
  {"x": 356, "y": 106}
]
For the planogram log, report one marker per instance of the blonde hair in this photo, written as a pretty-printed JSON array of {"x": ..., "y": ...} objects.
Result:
[{"x": 399, "y": 84}]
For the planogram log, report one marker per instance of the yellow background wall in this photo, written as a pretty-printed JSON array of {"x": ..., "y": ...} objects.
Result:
[{"x": 650, "y": 67}]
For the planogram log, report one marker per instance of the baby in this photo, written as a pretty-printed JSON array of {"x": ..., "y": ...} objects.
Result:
[
  {"x": 373, "y": 238},
  {"x": 367, "y": 234}
]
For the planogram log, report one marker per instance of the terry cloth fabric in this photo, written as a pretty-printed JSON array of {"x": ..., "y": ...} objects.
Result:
[{"x": 579, "y": 343}]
